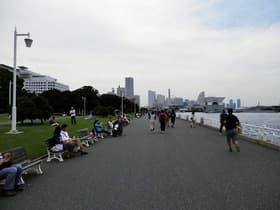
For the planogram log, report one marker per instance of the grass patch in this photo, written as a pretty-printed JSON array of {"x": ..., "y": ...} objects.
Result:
[
  {"x": 4, "y": 117},
  {"x": 33, "y": 136}
]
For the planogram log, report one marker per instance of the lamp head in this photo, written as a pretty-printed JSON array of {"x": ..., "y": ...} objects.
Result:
[{"x": 28, "y": 42}]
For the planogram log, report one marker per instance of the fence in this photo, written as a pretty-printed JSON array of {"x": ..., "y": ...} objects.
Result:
[{"x": 258, "y": 132}]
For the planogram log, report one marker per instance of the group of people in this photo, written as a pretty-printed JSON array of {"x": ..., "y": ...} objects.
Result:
[
  {"x": 164, "y": 117},
  {"x": 62, "y": 140}
]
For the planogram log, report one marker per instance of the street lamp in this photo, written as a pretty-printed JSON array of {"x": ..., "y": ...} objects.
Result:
[
  {"x": 28, "y": 43},
  {"x": 84, "y": 99}
]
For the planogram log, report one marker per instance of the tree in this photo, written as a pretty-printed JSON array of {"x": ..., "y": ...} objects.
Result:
[
  {"x": 43, "y": 109},
  {"x": 26, "y": 109},
  {"x": 5, "y": 77}
]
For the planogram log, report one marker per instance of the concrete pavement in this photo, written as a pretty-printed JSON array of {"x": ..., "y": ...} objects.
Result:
[{"x": 184, "y": 168}]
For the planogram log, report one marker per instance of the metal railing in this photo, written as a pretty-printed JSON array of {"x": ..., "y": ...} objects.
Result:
[{"x": 258, "y": 132}]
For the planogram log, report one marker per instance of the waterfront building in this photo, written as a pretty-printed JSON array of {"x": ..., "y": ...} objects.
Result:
[
  {"x": 34, "y": 82},
  {"x": 151, "y": 98},
  {"x": 129, "y": 87},
  {"x": 178, "y": 101},
  {"x": 210, "y": 104}
]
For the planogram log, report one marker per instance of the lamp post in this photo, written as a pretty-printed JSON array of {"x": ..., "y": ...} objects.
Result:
[
  {"x": 28, "y": 43},
  {"x": 84, "y": 99}
]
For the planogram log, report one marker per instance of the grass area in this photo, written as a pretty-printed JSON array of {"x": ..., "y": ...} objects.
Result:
[
  {"x": 33, "y": 136},
  {"x": 4, "y": 117}
]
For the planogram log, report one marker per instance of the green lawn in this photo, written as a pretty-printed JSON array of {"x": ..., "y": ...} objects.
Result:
[
  {"x": 4, "y": 117},
  {"x": 33, "y": 136}
]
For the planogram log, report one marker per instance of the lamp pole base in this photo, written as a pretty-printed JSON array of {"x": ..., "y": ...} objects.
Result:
[{"x": 14, "y": 132}]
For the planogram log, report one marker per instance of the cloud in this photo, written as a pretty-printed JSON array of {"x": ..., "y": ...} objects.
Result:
[{"x": 188, "y": 46}]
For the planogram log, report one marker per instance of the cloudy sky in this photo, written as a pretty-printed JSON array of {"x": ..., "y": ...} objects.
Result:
[{"x": 226, "y": 48}]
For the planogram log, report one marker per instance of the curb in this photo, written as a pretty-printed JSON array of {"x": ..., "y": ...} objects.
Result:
[{"x": 260, "y": 142}]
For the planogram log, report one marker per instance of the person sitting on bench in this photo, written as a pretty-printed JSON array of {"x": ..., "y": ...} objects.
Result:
[
  {"x": 12, "y": 174},
  {"x": 69, "y": 143}
]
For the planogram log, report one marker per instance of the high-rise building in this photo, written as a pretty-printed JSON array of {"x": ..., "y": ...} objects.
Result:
[
  {"x": 160, "y": 100},
  {"x": 238, "y": 103},
  {"x": 231, "y": 103},
  {"x": 129, "y": 87},
  {"x": 151, "y": 98},
  {"x": 168, "y": 100},
  {"x": 120, "y": 91}
]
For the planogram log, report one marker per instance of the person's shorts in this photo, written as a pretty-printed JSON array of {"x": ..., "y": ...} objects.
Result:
[{"x": 232, "y": 135}]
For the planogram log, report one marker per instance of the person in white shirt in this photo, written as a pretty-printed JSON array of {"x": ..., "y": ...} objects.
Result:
[
  {"x": 152, "y": 119},
  {"x": 73, "y": 115},
  {"x": 69, "y": 143}
]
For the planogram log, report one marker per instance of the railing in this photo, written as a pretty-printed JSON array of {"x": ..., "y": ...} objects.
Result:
[{"x": 258, "y": 132}]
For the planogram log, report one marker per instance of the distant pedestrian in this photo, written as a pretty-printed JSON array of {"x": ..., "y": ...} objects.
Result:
[
  {"x": 232, "y": 125},
  {"x": 223, "y": 116},
  {"x": 72, "y": 113},
  {"x": 152, "y": 119},
  {"x": 193, "y": 120},
  {"x": 162, "y": 120},
  {"x": 172, "y": 118}
]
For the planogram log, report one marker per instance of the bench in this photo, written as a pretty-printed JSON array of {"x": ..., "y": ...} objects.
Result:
[
  {"x": 85, "y": 137},
  {"x": 19, "y": 157},
  {"x": 52, "y": 152}
]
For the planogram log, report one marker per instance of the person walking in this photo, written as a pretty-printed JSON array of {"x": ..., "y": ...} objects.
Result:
[
  {"x": 232, "y": 125},
  {"x": 162, "y": 120},
  {"x": 223, "y": 116},
  {"x": 193, "y": 120},
  {"x": 172, "y": 118},
  {"x": 152, "y": 119},
  {"x": 72, "y": 113}
]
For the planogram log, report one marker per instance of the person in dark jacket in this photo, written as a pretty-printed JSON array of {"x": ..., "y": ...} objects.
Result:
[
  {"x": 232, "y": 125},
  {"x": 172, "y": 118},
  {"x": 223, "y": 116}
]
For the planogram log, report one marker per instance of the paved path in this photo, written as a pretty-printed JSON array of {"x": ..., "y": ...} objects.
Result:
[{"x": 182, "y": 169}]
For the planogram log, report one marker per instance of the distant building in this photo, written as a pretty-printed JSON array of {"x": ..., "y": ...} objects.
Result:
[
  {"x": 169, "y": 100},
  {"x": 160, "y": 100},
  {"x": 238, "y": 104},
  {"x": 129, "y": 87},
  {"x": 178, "y": 101},
  {"x": 210, "y": 104},
  {"x": 36, "y": 83},
  {"x": 151, "y": 98},
  {"x": 120, "y": 91},
  {"x": 137, "y": 99},
  {"x": 231, "y": 103}
]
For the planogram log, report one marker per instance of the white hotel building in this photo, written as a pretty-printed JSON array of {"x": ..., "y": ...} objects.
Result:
[{"x": 37, "y": 83}]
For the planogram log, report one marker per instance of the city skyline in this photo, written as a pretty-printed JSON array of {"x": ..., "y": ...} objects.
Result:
[{"x": 227, "y": 48}]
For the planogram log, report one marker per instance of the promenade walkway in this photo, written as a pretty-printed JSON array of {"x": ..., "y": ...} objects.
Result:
[{"x": 182, "y": 169}]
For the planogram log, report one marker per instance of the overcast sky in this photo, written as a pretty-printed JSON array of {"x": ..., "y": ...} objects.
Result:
[{"x": 226, "y": 48}]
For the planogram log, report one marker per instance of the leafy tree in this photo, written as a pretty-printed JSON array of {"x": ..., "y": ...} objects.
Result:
[
  {"x": 43, "y": 109},
  {"x": 26, "y": 109}
]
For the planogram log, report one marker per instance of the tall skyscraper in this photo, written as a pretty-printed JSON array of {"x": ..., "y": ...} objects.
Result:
[
  {"x": 160, "y": 100},
  {"x": 129, "y": 87},
  {"x": 238, "y": 103},
  {"x": 231, "y": 103},
  {"x": 151, "y": 98}
]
